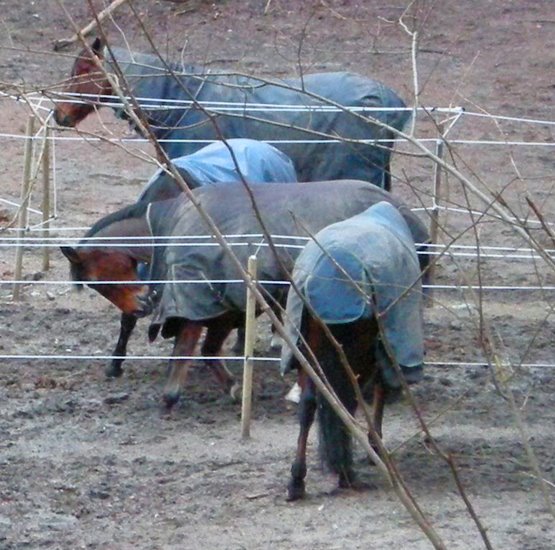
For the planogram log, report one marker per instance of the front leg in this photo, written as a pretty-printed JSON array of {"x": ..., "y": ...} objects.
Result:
[{"x": 127, "y": 324}]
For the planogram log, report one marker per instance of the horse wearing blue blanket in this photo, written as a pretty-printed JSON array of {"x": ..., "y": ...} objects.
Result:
[
  {"x": 360, "y": 279},
  {"x": 299, "y": 115},
  {"x": 232, "y": 161},
  {"x": 203, "y": 287}
]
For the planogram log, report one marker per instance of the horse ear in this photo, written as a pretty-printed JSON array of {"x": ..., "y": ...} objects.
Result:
[
  {"x": 71, "y": 254},
  {"x": 98, "y": 46}
]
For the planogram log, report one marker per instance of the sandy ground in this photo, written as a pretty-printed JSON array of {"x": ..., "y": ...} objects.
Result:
[{"x": 91, "y": 463}]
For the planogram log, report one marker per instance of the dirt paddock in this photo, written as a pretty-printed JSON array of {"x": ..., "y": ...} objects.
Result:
[{"x": 87, "y": 462}]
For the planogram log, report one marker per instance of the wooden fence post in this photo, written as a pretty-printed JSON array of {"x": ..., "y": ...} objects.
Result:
[
  {"x": 23, "y": 214},
  {"x": 434, "y": 223},
  {"x": 250, "y": 335}
]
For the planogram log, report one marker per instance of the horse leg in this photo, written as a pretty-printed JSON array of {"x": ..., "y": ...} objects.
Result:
[
  {"x": 387, "y": 168},
  {"x": 378, "y": 406},
  {"x": 127, "y": 324},
  {"x": 387, "y": 177},
  {"x": 276, "y": 342},
  {"x": 239, "y": 346},
  {"x": 212, "y": 346},
  {"x": 307, "y": 410},
  {"x": 185, "y": 342}
]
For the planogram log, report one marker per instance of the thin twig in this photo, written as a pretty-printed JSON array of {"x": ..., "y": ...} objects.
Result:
[
  {"x": 87, "y": 29},
  {"x": 541, "y": 218}
]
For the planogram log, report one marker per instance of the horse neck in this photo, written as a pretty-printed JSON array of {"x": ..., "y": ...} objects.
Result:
[
  {"x": 147, "y": 77},
  {"x": 139, "y": 249}
]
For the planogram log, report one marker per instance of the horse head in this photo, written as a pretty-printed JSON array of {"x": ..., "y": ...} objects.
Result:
[
  {"x": 86, "y": 78},
  {"x": 98, "y": 268}
]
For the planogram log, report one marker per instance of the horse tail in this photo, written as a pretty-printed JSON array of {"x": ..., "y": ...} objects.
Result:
[{"x": 335, "y": 440}]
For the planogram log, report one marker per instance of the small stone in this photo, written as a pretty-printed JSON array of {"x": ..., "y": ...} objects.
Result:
[
  {"x": 99, "y": 493},
  {"x": 59, "y": 522},
  {"x": 5, "y": 524},
  {"x": 116, "y": 398}
]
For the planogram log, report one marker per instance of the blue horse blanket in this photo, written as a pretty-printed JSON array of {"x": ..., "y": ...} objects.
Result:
[
  {"x": 359, "y": 268},
  {"x": 253, "y": 161},
  {"x": 199, "y": 271},
  {"x": 291, "y": 109}
]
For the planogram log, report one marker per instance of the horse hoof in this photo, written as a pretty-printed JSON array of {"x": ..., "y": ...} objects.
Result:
[
  {"x": 276, "y": 342},
  {"x": 294, "y": 394},
  {"x": 295, "y": 492},
  {"x": 235, "y": 392},
  {"x": 353, "y": 483},
  {"x": 170, "y": 400},
  {"x": 347, "y": 480},
  {"x": 113, "y": 370}
]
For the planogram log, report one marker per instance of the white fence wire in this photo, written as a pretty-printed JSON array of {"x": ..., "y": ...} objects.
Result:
[{"x": 453, "y": 251}]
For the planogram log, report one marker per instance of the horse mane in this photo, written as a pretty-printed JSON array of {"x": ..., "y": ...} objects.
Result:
[
  {"x": 146, "y": 60},
  {"x": 135, "y": 210}
]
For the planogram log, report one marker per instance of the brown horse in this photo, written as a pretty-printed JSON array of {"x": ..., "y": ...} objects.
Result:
[
  {"x": 359, "y": 280},
  {"x": 95, "y": 262},
  {"x": 360, "y": 142},
  {"x": 220, "y": 162}
]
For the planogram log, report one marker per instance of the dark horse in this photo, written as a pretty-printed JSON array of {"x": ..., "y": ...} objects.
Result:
[
  {"x": 310, "y": 110},
  {"x": 219, "y": 162},
  {"x": 360, "y": 280},
  {"x": 183, "y": 309}
]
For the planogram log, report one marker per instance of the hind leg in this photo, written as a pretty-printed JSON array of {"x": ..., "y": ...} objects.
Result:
[
  {"x": 127, "y": 324},
  {"x": 212, "y": 346},
  {"x": 346, "y": 478},
  {"x": 185, "y": 343},
  {"x": 307, "y": 410},
  {"x": 378, "y": 406},
  {"x": 276, "y": 342},
  {"x": 239, "y": 345}
]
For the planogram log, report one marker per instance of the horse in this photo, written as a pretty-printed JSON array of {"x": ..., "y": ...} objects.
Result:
[
  {"x": 308, "y": 110},
  {"x": 360, "y": 281},
  {"x": 233, "y": 161},
  {"x": 181, "y": 310}
]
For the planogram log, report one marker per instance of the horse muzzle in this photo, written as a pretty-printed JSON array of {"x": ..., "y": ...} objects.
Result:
[
  {"x": 64, "y": 119},
  {"x": 144, "y": 308},
  {"x": 146, "y": 304}
]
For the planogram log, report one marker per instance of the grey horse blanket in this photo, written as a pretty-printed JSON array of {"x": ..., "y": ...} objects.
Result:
[
  {"x": 219, "y": 162},
  {"x": 289, "y": 211},
  {"x": 359, "y": 268},
  {"x": 252, "y": 108}
]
